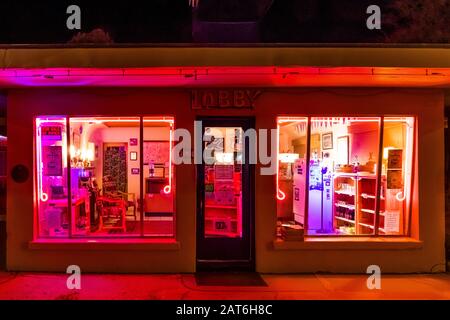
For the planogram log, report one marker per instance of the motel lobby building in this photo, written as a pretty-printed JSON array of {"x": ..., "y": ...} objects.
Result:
[{"x": 356, "y": 134}]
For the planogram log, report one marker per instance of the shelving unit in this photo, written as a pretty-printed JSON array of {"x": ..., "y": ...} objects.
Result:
[
  {"x": 355, "y": 201},
  {"x": 367, "y": 204},
  {"x": 226, "y": 216},
  {"x": 344, "y": 199}
]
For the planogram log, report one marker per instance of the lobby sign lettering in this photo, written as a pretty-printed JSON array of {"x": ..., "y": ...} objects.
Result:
[{"x": 224, "y": 98}]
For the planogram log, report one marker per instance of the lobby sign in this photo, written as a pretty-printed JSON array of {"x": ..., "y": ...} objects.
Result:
[{"x": 224, "y": 98}]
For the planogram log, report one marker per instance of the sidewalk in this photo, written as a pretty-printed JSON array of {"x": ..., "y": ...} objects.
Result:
[{"x": 183, "y": 286}]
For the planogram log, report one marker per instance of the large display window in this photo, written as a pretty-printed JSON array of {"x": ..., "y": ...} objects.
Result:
[
  {"x": 88, "y": 177},
  {"x": 344, "y": 176}
]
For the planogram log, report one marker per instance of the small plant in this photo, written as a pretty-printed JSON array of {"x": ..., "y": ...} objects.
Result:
[
  {"x": 418, "y": 21},
  {"x": 95, "y": 36}
]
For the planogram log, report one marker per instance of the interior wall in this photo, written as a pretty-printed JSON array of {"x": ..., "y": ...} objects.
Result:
[{"x": 105, "y": 135}]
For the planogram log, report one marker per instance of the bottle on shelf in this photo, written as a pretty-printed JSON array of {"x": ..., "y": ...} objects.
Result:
[{"x": 152, "y": 169}]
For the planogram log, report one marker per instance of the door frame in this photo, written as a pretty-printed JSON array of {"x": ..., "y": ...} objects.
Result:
[
  {"x": 115, "y": 144},
  {"x": 226, "y": 265}
]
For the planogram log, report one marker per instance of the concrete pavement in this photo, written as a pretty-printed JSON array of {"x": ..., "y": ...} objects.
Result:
[{"x": 38, "y": 286}]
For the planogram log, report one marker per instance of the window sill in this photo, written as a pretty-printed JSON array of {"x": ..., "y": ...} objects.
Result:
[
  {"x": 356, "y": 243},
  {"x": 105, "y": 244}
]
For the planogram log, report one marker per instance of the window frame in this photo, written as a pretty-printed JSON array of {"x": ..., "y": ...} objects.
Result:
[
  {"x": 406, "y": 229},
  {"x": 117, "y": 237}
]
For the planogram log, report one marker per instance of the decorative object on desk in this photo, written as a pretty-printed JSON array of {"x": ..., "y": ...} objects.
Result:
[
  {"x": 347, "y": 168},
  {"x": 133, "y": 156},
  {"x": 327, "y": 141},
  {"x": 156, "y": 151},
  {"x": 82, "y": 157},
  {"x": 159, "y": 171},
  {"x": 135, "y": 171},
  {"x": 133, "y": 142}
]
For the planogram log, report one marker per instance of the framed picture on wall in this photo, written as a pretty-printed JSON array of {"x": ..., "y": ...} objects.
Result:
[
  {"x": 133, "y": 142},
  {"x": 327, "y": 141},
  {"x": 157, "y": 152},
  {"x": 342, "y": 150},
  {"x": 133, "y": 156}
]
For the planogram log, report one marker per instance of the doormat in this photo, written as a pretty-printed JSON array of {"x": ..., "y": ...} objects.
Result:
[{"x": 229, "y": 279}]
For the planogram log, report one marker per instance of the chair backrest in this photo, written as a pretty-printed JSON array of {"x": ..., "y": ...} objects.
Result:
[{"x": 109, "y": 185}]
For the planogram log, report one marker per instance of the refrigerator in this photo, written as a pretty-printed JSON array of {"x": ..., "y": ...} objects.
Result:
[{"x": 320, "y": 205}]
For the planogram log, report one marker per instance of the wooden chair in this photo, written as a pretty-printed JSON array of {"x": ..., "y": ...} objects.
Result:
[
  {"x": 110, "y": 190},
  {"x": 110, "y": 210}
]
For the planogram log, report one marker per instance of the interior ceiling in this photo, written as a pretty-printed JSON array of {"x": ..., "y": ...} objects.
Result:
[
  {"x": 228, "y": 77},
  {"x": 135, "y": 124}
]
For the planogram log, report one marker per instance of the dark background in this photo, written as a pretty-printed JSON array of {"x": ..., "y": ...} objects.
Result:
[{"x": 170, "y": 21}]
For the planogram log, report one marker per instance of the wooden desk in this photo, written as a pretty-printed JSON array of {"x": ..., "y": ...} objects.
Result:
[
  {"x": 78, "y": 210},
  {"x": 156, "y": 201}
]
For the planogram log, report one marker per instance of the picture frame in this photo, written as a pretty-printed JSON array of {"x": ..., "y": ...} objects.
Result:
[
  {"x": 327, "y": 141},
  {"x": 133, "y": 156},
  {"x": 133, "y": 142},
  {"x": 343, "y": 150},
  {"x": 156, "y": 151},
  {"x": 135, "y": 171}
]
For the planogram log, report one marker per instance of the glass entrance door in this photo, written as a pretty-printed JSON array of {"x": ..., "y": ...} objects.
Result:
[{"x": 225, "y": 198}]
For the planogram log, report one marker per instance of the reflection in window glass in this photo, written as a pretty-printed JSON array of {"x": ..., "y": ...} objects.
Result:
[
  {"x": 223, "y": 182},
  {"x": 291, "y": 177},
  {"x": 397, "y": 171},
  {"x": 343, "y": 176},
  {"x": 51, "y": 166},
  {"x": 104, "y": 187},
  {"x": 159, "y": 187}
]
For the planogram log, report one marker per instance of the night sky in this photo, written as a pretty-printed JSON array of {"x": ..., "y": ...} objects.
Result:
[{"x": 170, "y": 21}]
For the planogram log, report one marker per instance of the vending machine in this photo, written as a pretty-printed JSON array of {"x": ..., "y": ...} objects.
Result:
[
  {"x": 320, "y": 204},
  {"x": 298, "y": 189}
]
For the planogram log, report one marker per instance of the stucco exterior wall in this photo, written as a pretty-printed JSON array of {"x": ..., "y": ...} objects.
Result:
[{"x": 428, "y": 220}]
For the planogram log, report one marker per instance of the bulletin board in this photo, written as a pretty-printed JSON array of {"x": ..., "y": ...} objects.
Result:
[
  {"x": 52, "y": 161},
  {"x": 156, "y": 151}
]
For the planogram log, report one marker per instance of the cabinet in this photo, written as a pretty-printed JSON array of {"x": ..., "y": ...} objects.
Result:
[
  {"x": 156, "y": 200},
  {"x": 355, "y": 203},
  {"x": 344, "y": 200},
  {"x": 223, "y": 220}
]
